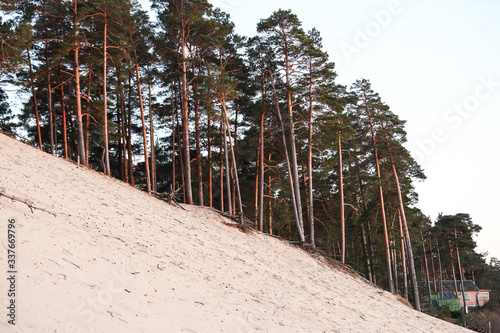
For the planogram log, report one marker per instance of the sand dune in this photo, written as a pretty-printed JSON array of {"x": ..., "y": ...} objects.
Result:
[{"x": 115, "y": 259}]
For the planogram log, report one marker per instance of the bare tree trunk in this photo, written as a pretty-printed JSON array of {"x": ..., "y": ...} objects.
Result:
[
  {"x": 293, "y": 151},
  {"x": 51, "y": 118},
  {"x": 210, "y": 170},
  {"x": 87, "y": 140},
  {"x": 174, "y": 122},
  {"x": 453, "y": 269},
  {"x": 461, "y": 273},
  {"x": 367, "y": 241},
  {"x": 129, "y": 125},
  {"x": 185, "y": 127},
  {"x": 35, "y": 103},
  {"x": 181, "y": 159},
  {"x": 432, "y": 265},
  {"x": 292, "y": 177},
  {"x": 107, "y": 168},
  {"x": 144, "y": 132},
  {"x": 79, "y": 123},
  {"x": 226, "y": 168},
  {"x": 198, "y": 155},
  {"x": 260, "y": 211},
  {"x": 365, "y": 252},
  {"x": 65, "y": 132},
  {"x": 312, "y": 236},
  {"x": 269, "y": 184},
  {"x": 428, "y": 282},
  {"x": 221, "y": 164},
  {"x": 341, "y": 190},
  {"x": 382, "y": 203},
  {"x": 124, "y": 130},
  {"x": 395, "y": 270},
  {"x": 154, "y": 180},
  {"x": 403, "y": 256},
  {"x": 411, "y": 262},
  {"x": 199, "y": 170},
  {"x": 440, "y": 271},
  {"x": 235, "y": 169}
]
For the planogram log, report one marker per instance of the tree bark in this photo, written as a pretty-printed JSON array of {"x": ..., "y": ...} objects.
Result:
[
  {"x": 403, "y": 257},
  {"x": 440, "y": 270},
  {"x": 382, "y": 203},
  {"x": 199, "y": 170},
  {"x": 293, "y": 150},
  {"x": 312, "y": 236},
  {"x": 233, "y": 155},
  {"x": 65, "y": 132},
  {"x": 226, "y": 168},
  {"x": 260, "y": 212},
  {"x": 35, "y": 104},
  {"x": 185, "y": 126},
  {"x": 461, "y": 273},
  {"x": 428, "y": 282},
  {"x": 79, "y": 123},
  {"x": 51, "y": 117},
  {"x": 154, "y": 180},
  {"x": 210, "y": 170},
  {"x": 174, "y": 122},
  {"x": 107, "y": 168},
  {"x": 341, "y": 190},
  {"x": 296, "y": 205},
  {"x": 411, "y": 262},
  {"x": 129, "y": 126},
  {"x": 144, "y": 131},
  {"x": 453, "y": 268},
  {"x": 432, "y": 265}
]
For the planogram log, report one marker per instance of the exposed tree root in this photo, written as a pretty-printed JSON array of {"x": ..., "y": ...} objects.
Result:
[{"x": 170, "y": 198}]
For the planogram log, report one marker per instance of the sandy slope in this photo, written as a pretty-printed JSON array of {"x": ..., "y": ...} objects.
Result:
[{"x": 117, "y": 260}]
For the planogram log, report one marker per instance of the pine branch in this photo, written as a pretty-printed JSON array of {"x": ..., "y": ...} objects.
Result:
[{"x": 24, "y": 202}]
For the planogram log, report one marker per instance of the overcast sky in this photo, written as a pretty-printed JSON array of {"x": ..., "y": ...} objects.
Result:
[{"x": 436, "y": 64}]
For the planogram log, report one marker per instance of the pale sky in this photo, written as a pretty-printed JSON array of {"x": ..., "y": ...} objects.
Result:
[{"x": 435, "y": 63}]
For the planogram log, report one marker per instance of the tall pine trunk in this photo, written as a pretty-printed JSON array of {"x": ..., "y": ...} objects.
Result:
[
  {"x": 403, "y": 257},
  {"x": 185, "y": 126},
  {"x": 409, "y": 250},
  {"x": 260, "y": 211},
  {"x": 35, "y": 103},
  {"x": 210, "y": 169},
  {"x": 76, "y": 64},
  {"x": 65, "y": 131},
  {"x": 199, "y": 169},
  {"x": 154, "y": 180},
  {"x": 297, "y": 211},
  {"x": 233, "y": 155},
  {"x": 341, "y": 190},
  {"x": 382, "y": 202},
  {"x": 107, "y": 168},
  {"x": 428, "y": 282},
  {"x": 144, "y": 131},
  {"x": 226, "y": 168},
  {"x": 310, "y": 172},
  {"x": 51, "y": 117},
  {"x": 293, "y": 152}
]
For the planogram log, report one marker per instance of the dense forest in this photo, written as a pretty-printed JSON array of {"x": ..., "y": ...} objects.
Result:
[{"x": 248, "y": 125}]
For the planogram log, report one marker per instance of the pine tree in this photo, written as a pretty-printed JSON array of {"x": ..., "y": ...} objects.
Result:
[
  {"x": 282, "y": 29},
  {"x": 180, "y": 20}
]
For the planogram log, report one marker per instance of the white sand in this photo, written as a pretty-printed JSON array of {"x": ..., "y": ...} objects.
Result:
[{"x": 117, "y": 260}]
